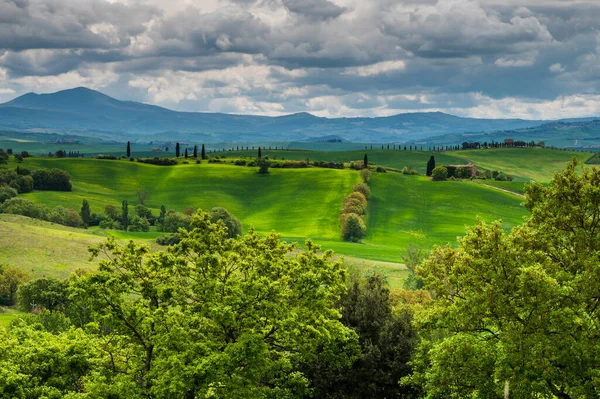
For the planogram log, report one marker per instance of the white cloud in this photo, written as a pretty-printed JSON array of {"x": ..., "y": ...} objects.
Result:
[
  {"x": 556, "y": 68},
  {"x": 376, "y": 69}
]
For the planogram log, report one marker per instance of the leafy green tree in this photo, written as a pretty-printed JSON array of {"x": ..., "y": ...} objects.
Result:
[
  {"x": 174, "y": 221},
  {"x": 387, "y": 341},
  {"x": 10, "y": 280},
  {"x": 128, "y": 149},
  {"x": 125, "y": 214},
  {"x": 234, "y": 226},
  {"x": 203, "y": 152},
  {"x": 22, "y": 206},
  {"x": 216, "y": 317},
  {"x": 353, "y": 227},
  {"x": 7, "y": 193},
  {"x": 137, "y": 223},
  {"x": 112, "y": 212},
  {"x": 439, "y": 173},
  {"x": 46, "y": 293},
  {"x": 518, "y": 311},
  {"x": 86, "y": 213},
  {"x": 412, "y": 258}
]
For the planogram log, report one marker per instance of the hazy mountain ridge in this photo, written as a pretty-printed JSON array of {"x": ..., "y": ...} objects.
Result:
[{"x": 88, "y": 112}]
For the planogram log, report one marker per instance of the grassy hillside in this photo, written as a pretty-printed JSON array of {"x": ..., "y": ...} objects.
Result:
[
  {"x": 297, "y": 203},
  {"x": 524, "y": 164}
]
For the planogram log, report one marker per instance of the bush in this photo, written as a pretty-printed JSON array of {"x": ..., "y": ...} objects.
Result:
[
  {"x": 365, "y": 174},
  {"x": 234, "y": 226},
  {"x": 363, "y": 189},
  {"x": 240, "y": 162},
  {"x": 158, "y": 161},
  {"x": 25, "y": 184},
  {"x": 409, "y": 171},
  {"x": 109, "y": 157},
  {"x": 137, "y": 223},
  {"x": 67, "y": 217},
  {"x": 353, "y": 227},
  {"x": 263, "y": 166},
  {"x": 110, "y": 224},
  {"x": 198, "y": 162},
  {"x": 380, "y": 169},
  {"x": 170, "y": 239},
  {"x": 175, "y": 221},
  {"x": 21, "y": 206},
  {"x": 7, "y": 193},
  {"x": 331, "y": 165},
  {"x": 354, "y": 205},
  {"x": 51, "y": 179},
  {"x": 439, "y": 173}
]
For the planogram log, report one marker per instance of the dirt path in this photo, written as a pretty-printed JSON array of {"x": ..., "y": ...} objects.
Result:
[{"x": 505, "y": 190}]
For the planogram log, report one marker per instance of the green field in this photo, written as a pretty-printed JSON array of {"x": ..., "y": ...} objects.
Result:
[
  {"x": 524, "y": 164},
  {"x": 8, "y": 314},
  {"x": 297, "y": 203}
]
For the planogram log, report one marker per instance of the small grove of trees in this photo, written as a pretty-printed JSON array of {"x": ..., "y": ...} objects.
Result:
[
  {"x": 352, "y": 224},
  {"x": 60, "y": 215},
  {"x": 517, "y": 313},
  {"x": 23, "y": 180}
]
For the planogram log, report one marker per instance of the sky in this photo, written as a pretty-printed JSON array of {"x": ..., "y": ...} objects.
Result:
[{"x": 532, "y": 59}]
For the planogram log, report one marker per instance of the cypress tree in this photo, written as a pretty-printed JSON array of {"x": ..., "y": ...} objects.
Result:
[
  {"x": 366, "y": 162},
  {"x": 128, "y": 149},
  {"x": 203, "y": 152},
  {"x": 177, "y": 150},
  {"x": 259, "y": 153},
  {"x": 430, "y": 165},
  {"x": 125, "y": 215},
  {"x": 85, "y": 213},
  {"x": 195, "y": 151},
  {"x": 186, "y": 154},
  {"x": 163, "y": 213}
]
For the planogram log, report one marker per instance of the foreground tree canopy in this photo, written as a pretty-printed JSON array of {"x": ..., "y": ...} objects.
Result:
[
  {"x": 518, "y": 312},
  {"x": 209, "y": 317}
]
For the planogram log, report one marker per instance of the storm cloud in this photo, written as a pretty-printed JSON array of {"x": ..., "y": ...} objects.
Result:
[{"x": 486, "y": 58}]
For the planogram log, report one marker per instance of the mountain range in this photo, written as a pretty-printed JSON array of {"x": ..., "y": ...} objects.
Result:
[{"x": 87, "y": 112}]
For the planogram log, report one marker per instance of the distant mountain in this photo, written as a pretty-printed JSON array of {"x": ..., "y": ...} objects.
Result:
[
  {"x": 576, "y": 133},
  {"x": 87, "y": 112}
]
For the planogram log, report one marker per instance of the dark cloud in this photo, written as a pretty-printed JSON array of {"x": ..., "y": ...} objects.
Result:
[
  {"x": 314, "y": 9},
  {"x": 300, "y": 54}
]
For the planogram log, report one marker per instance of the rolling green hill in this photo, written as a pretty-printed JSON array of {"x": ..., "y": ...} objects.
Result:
[
  {"x": 524, "y": 164},
  {"x": 297, "y": 203}
]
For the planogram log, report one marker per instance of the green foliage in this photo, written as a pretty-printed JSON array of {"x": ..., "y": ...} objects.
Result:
[
  {"x": 213, "y": 316},
  {"x": 85, "y": 213},
  {"x": 387, "y": 341},
  {"x": 263, "y": 165},
  {"x": 362, "y": 188},
  {"x": 7, "y": 193},
  {"x": 439, "y": 173},
  {"x": 430, "y": 166},
  {"x": 44, "y": 293},
  {"x": 353, "y": 227},
  {"x": 174, "y": 221},
  {"x": 137, "y": 223},
  {"x": 67, "y": 217},
  {"x": 234, "y": 226},
  {"x": 409, "y": 171},
  {"x": 21, "y": 206},
  {"x": 125, "y": 214},
  {"x": 51, "y": 179},
  {"x": 10, "y": 280},
  {"x": 365, "y": 175},
  {"x": 518, "y": 309}
]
